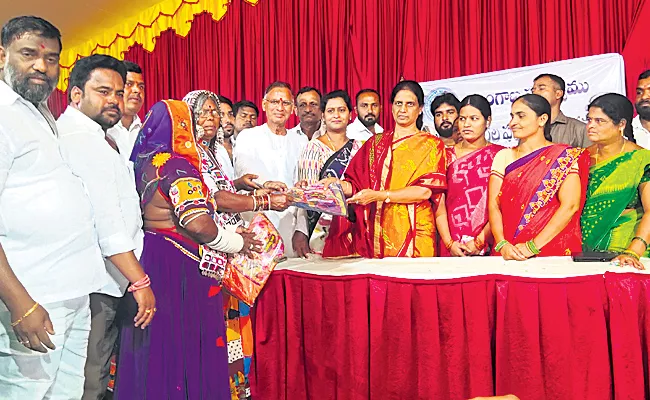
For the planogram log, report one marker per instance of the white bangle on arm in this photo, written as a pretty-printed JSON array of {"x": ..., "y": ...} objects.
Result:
[{"x": 227, "y": 242}]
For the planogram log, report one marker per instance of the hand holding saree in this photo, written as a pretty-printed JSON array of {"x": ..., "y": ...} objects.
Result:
[
  {"x": 392, "y": 229},
  {"x": 528, "y": 199}
]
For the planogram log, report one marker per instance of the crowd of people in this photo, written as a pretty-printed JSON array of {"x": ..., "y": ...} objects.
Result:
[{"x": 114, "y": 232}]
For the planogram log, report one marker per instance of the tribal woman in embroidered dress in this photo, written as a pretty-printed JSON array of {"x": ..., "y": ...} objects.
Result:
[
  {"x": 205, "y": 109},
  {"x": 327, "y": 155},
  {"x": 183, "y": 355},
  {"x": 462, "y": 217},
  {"x": 617, "y": 212},
  {"x": 537, "y": 190},
  {"x": 393, "y": 183}
]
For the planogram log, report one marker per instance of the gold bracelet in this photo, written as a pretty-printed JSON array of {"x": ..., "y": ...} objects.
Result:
[{"x": 27, "y": 314}]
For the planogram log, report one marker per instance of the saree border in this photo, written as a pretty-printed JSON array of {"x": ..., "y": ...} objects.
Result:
[{"x": 550, "y": 185}]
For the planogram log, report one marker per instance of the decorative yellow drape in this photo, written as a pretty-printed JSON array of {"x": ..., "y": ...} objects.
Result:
[{"x": 142, "y": 28}]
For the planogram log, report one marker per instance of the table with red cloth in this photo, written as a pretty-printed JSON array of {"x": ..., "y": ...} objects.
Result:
[{"x": 452, "y": 328}]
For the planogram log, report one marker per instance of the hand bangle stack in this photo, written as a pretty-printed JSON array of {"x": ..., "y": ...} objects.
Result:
[
  {"x": 532, "y": 247},
  {"x": 630, "y": 253},
  {"x": 262, "y": 203},
  {"x": 500, "y": 245},
  {"x": 27, "y": 314},
  {"x": 141, "y": 284},
  {"x": 478, "y": 243},
  {"x": 640, "y": 239},
  {"x": 449, "y": 244}
]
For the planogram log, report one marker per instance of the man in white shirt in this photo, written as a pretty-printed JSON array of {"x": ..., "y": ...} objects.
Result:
[
  {"x": 126, "y": 130},
  {"x": 272, "y": 152},
  {"x": 368, "y": 108},
  {"x": 95, "y": 95},
  {"x": 641, "y": 123},
  {"x": 309, "y": 113},
  {"x": 49, "y": 256},
  {"x": 224, "y": 151}
]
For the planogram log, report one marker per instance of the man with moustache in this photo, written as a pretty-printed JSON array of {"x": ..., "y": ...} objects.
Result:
[
  {"x": 641, "y": 123},
  {"x": 563, "y": 129},
  {"x": 271, "y": 151},
  {"x": 224, "y": 150},
  {"x": 96, "y": 96},
  {"x": 444, "y": 109},
  {"x": 308, "y": 112},
  {"x": 368, "y": 108},
  {"x": 50, "y": 260},
  {"x": 126, "y": 130},
  {"x": 246, "y": 114}
]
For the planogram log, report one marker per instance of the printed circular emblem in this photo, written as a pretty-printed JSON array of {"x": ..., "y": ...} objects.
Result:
[{"x": 188, "y": 144}]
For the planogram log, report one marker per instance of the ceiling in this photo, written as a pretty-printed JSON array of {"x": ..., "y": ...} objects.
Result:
[{"x": 76, "y": 19}]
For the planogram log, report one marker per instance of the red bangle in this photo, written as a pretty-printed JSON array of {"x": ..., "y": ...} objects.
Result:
[{"x": 141, "y": 284}]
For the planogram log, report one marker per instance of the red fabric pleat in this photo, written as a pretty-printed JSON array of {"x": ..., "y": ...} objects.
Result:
[{"x": 371, "y": 337}]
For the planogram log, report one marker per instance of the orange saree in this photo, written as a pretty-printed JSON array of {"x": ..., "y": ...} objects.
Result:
[{"x": 390, "y": 229}]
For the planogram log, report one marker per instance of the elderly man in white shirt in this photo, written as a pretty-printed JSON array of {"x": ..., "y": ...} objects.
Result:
[
  {"x": 368, "y": 108},
  {"x": 49, "y": 256},
  {"x": 641, "y": 123},
  {"x": 95, "y": 94},
  {"x": 271, "y": 152},
  {"x": 125, "y": 132}
]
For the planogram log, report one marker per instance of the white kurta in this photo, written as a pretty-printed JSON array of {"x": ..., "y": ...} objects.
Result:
[{"x": 273, "y": 158}]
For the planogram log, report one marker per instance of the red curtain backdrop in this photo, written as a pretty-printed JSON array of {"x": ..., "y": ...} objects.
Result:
[{"x": 348, "y": 44}]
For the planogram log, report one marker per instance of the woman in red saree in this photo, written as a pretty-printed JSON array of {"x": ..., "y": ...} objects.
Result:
[
  {"x": 537, "y": 190},
  {"x": 393, "y": 184},
  {"x": 462, "y": 217}
]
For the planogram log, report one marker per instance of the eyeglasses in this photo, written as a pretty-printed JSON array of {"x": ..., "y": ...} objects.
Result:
[
  {"x": 207, "y": 113},
  {"x": 277, "y": 103}
]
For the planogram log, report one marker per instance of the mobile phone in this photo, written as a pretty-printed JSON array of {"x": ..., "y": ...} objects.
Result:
[{"x": 593, "y": 256}]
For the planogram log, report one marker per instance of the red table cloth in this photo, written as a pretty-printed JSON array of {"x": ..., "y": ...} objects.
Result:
[{"x": 439, "y": 329}]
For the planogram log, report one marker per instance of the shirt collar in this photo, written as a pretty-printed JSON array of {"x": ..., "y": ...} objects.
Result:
[
  {"x": 81, "y": 120},
  {"x": 561, "y": 119},
  {"x": 7, "y": 94},
  {"x": 136, "y": 124},
  {"x": 636, "y": 124}
]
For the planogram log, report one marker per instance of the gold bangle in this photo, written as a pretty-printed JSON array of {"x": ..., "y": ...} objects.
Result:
[
  {"x": 387, "y": 197},
  {"x": 27, "y": 314}
]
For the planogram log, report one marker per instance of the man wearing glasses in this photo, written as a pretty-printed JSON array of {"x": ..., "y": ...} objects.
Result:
[{"x": 271, "y": 152}]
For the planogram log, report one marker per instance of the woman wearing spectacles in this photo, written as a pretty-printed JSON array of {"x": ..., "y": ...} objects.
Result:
[{"x": 617, "y": 212}]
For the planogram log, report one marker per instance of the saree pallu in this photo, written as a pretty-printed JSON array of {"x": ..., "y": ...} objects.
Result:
[
  {"x": 613, "y": 209},
  {"x": 529, "y": 197},
  {"x": 390, "y": 229},
  {"x": 239, "y": 334},
  {"x": 466, "y": 200},
  {"x": 182, "y": 354}
]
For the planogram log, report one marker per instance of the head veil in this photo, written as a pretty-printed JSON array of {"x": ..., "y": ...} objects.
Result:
[
  {"x": 196, "y": 99},
  {"x": 167, "y": 133}
]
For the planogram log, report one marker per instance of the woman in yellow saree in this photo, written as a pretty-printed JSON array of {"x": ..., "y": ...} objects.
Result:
[
  {"x": 393, "y": 185},
  {"x": 616, "y": 216}
]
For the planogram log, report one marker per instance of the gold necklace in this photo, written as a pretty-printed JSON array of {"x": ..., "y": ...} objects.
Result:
[
  {"x": 598, "y": 151},
  {"x": 329, "y": 139}
]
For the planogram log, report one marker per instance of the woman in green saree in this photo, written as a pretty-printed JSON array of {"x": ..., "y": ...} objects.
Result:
[{"x": 616, "y": 216}]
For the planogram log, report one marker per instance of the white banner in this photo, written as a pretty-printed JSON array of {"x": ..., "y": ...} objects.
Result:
[{"x": 585, "y": 78}]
